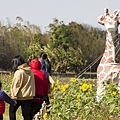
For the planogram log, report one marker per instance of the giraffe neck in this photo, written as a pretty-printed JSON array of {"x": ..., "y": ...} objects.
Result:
[{"x": 112, "y": 50}]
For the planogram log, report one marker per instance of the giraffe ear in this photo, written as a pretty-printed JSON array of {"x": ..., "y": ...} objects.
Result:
[
  {"x": 116, "y": 12},
  {"x": 101, "y": 19}
]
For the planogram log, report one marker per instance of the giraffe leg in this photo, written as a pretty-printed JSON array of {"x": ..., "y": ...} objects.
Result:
[{"x": 99, "y": 91}]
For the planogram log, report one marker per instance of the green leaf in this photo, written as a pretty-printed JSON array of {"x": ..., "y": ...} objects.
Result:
[{"x": 112, "y": 107}]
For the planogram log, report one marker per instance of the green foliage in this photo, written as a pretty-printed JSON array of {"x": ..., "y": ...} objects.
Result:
[
  {"x": 33, "y": 51},
  {"x": 6, "y": 80},
  {"x": 77, "y": 100},
  {"x": 65, "y": 48},
  {"x": 70, "y": 47},
  {"x": 75, "y": 46}
]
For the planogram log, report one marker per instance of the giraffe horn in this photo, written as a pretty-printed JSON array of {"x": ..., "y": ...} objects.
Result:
[{"x": 106, "y": 11}]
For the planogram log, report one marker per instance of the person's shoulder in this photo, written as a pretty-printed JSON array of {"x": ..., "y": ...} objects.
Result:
[
  {"x": 42, "y": 61},
  {"x": 17, "y": 72},
  {"x": 41, "y": 72}
]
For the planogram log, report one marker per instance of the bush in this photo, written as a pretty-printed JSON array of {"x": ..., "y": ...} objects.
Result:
[{"x": 77, "y": 100}]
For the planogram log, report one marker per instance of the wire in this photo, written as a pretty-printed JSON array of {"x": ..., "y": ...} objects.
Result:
[{"x": 88, "y": 67}]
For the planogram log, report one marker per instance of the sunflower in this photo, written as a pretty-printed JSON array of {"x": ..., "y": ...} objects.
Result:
[
  {"x": 73, "y": 80},
  {"x": 84, "y": 87}
]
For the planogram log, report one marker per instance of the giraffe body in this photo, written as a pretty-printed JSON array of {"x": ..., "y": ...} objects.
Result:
[{"x": 109, "y": 67}]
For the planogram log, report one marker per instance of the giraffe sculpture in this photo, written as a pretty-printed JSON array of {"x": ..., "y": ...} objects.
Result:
[{"x": 109, "y": 67}]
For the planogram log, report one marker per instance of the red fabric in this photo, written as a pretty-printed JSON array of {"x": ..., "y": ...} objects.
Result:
[
  {"x": 2, "y": 107},
  {"x": 38, "y": 100},
  {"x": 41, "y": 83}
]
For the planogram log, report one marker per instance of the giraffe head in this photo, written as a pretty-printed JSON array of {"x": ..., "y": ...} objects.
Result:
[{"x": 110, "y": 21}]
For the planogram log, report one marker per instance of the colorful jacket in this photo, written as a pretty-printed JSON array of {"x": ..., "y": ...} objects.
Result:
[
  {"x": 44, "y": 69},
  {"x": 4, "y": 98},
  {"x": 46, "y": 66},
  {"x": 23, "y": 84},
  {"x": 41, "y": 83}
]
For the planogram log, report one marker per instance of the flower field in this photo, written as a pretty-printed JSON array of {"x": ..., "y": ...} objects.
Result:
[{"x": 76, "y": 100}]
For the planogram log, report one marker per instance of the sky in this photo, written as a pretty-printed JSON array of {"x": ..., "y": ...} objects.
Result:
[{"x": 42, "y": 12}]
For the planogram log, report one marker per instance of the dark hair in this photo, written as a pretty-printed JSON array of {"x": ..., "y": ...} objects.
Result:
[
  {"x": 0, "y": 84},
  {"x": 17, "y": 61},
  {"x": 43, "y": 55}
]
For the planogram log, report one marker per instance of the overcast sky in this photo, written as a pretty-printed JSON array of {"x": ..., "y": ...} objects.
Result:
[{"x": 42, "y": 12}]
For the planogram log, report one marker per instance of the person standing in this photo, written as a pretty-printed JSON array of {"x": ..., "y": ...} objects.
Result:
[
  {"x": 46, "y": 68},
  {"x": 22, "y": 88},
  {"x": 46, "y": 64},
  {"x": 4, "y": 98},
  {"x": 41, "y": 85}
]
